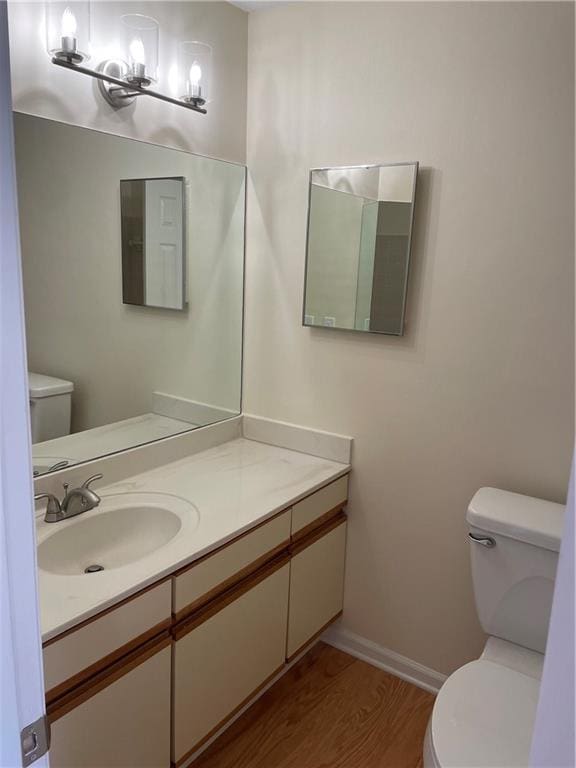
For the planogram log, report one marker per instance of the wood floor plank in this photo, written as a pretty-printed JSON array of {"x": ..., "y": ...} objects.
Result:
[{"x": 329, "y": 711}]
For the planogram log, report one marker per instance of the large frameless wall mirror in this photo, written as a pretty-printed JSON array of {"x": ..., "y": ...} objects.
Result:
[
  {"x": 112, "y": 364},
  {"x": 358, "y": 250}
]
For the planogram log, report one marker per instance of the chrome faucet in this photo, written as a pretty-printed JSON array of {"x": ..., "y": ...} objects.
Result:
[{"x": 75, "y": 502}]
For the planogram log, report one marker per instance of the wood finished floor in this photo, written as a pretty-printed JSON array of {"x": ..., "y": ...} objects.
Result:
[{"x": 329, "y": 711}]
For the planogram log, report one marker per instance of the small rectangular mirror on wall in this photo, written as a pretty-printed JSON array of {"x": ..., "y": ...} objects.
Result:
[
  {"x": 153, "y": 265},
  {"x": 358, "y": 247}
]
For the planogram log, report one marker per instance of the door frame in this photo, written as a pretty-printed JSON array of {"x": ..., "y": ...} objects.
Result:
[{"x": 21, "y": 672}]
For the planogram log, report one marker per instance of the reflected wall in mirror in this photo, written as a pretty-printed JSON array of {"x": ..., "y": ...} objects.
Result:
[
  {"x": 153, "y": 242},
  {"x": 358, "y": 249},
  {"x": 109, "y": 375}
]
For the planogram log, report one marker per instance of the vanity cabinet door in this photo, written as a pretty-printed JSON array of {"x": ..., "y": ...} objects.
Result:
[
  {"x": 226, "y": 654},
  {"x": 316, "y": 583},
  {"x": 215, "y": 573},
  {"x": 122, "y": 721}
]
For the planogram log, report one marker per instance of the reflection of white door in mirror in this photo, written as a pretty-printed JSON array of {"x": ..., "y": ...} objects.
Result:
[{"x": 164, "y": 247}]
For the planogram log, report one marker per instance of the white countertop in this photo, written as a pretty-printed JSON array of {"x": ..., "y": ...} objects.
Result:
[{"x": 234, "y": 487}]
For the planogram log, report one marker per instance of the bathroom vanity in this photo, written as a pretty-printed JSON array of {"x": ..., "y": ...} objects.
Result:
[
  {"x": 147, "y": 659},
  {"x": 215, "y": 555}
]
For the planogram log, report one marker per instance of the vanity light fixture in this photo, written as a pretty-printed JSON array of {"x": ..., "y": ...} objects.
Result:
[
  {"x": 194, "y": 71},
  {"x": 68, "y": 31},
  {"x": 120, "y": 81},
  {"x": 141, "y": 36}
]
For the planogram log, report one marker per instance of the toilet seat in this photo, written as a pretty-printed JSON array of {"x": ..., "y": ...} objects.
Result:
[{"x": 482, "y": 717}]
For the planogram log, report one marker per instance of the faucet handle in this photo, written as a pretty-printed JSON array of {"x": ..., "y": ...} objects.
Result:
[
  {"x": 53, "y": 508},
  {"x": 86, "y": 484}
]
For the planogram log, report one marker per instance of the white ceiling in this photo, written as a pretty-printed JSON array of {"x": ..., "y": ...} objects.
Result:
[{"x": 255, "y": 5}]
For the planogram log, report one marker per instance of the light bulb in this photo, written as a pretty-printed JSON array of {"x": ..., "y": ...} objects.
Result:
[
  {"x": 69, "y": 25},
  {"x": 195, "y": 74},
  {"x": 137, "y": 51}
]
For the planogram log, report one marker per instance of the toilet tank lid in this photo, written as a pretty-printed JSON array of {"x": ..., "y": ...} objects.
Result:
[
  {"x": 40, "y": 385},
  {"x": 524, "y": 518}
]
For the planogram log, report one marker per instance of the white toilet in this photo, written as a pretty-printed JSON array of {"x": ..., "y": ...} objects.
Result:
[
  {"x": 484, "y": 713},
  {"x": 50, "y": 406}
]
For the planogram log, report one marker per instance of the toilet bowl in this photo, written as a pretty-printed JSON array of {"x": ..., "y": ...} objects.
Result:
[
  {"x": 50, "y": 406},
  {"x": 484, "y": 713}
]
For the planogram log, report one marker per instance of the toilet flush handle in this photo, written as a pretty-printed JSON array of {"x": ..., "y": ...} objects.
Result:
[{"x": 486, "y": 541}]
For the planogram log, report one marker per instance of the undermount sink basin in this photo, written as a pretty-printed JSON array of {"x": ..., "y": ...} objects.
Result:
[{"x": 116, "y": 533}]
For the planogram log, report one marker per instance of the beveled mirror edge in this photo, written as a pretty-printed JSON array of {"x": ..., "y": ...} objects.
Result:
[{"x": 416, "y": 165}]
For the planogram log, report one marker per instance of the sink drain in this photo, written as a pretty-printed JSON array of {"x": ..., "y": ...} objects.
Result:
[{"x": 93, "y": 568}]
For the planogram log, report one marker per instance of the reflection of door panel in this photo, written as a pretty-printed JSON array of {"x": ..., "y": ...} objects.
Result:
[
  {"x": 366, "y": 265},
  {"x": 132, "y": 201},
  {"x": 164, "y": 246},
  {"x": 388, "y": 284}
]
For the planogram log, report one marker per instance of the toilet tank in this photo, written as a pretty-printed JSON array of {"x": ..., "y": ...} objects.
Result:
[
  {"x": 514, "y": 544},
  {"x": 50, "y": 406}
]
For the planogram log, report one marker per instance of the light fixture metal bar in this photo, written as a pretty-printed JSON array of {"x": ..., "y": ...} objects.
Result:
[{"x": 134, "y": 90}]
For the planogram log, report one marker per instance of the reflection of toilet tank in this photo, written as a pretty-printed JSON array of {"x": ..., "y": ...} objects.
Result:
[
  {"x": 50, "y": 405},
  {"x": 515, "y": 541}
]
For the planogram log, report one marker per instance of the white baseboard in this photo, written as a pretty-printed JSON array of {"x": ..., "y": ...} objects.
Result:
[
  {"x": 360, "y": 648},
  {"x": 383, "y": 658}
]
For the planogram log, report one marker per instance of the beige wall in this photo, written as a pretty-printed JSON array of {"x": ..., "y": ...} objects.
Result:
[
  {"x": 77, "y": 327},
  {"x": 479, "y": 390},
  {"x": 40, "y": 88}
]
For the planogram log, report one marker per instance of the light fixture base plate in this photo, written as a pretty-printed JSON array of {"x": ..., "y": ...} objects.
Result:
[
  {"x": 72, "y": 57},
  {"x": 116, "y": 96},
  {"x": 197, "y": 101}
]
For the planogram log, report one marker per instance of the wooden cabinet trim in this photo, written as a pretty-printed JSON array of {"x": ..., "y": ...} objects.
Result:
[
  {"x": 106, "y": 661},
  {"x": 243, "y": 535},
  {"x": 228, "y": 597},
  {"x": 309, "y": 511},
  {"x": 318, "y": 533},
  {"x": 69, "y": 701},
  {"x": 99, "y": 615},
  {"x": 231, "y": 581},
  {"x": 318, "y": 523}
]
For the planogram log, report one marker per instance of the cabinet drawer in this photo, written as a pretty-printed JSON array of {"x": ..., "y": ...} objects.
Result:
[
  {"x": 83, "y": 651},
  {"x": 223, "y": 660},
  {"x": 316, "y": 584},
  {"x": 218, "y": 571},
  {"x": 123, "y": 724},
  {"x": 318, "y": 507}
]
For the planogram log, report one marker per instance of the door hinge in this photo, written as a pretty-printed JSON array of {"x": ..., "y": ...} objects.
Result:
[{"x": 35, "y": 740}]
